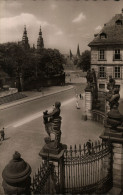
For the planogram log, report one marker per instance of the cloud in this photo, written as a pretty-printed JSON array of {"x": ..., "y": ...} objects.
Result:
[
  {"x": 59, "y": 32},
  {"x": 79, "y": 18},
  {"x": 22, "y": 19},
  {"x": 12, "y": 30},
  {"x": 12, "y": 27},
  {"x": 53, "y": 6},
  {"x": 98, "y": 28}
]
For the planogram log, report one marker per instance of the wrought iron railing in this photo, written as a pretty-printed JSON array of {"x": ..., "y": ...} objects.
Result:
[
  {"x": 82, "y": 170},
  {"x": 98, "y": 116},
  {"x": 43, "y": 181},
  {"x": 88, "y": 169}
]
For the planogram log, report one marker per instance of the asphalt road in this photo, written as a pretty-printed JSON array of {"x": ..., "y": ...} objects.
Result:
[{"x": 13, "y": 114}]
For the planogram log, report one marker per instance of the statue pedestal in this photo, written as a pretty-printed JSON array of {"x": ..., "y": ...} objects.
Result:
[
  {"x": 57, "y": 159},
  {"x": 48, "y": 149},
  {"x": 88, "y": 102},
  {"x": 116, "y": 139},
  {"x": 50, "y": 156}
]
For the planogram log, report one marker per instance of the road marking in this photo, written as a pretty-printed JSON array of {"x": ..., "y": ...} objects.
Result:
[{"x": 37, "y": 115}]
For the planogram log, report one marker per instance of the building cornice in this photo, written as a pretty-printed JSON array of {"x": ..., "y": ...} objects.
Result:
[{"x": 106, "y": 64}]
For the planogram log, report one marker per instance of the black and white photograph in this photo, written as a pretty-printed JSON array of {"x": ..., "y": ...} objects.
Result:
[{"x": 61, "y": 97}]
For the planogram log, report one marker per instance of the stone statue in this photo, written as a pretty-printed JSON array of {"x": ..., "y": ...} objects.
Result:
[
  {"x": 112, "y": 96},
  {"x": 89, "y": 78},
  {"x": 92, "y": 86},
  {"x": 52, "y": 123},
  {"x": 114, "y": 119},
  {"x": 111, "y": 84},
  {"x": 95, "y": 89}
]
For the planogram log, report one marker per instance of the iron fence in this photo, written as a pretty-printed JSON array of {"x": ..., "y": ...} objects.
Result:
[
  {"x": 81, "y": 170},
  {"x": 88, "y": 169},
  {"x": 44, "y": 180}
]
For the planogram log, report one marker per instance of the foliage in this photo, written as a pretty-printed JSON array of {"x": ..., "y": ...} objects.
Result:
[
  {"x": 15, "y": 60},
  {"x": 75, "y": 60},
  {"x": 51, "y": 62},
  {"x": 12, "y": 56},
  {"x": 85, "y": 60}
]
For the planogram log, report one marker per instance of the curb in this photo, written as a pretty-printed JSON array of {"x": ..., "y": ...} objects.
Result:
[{"x": 33, "y": 98}]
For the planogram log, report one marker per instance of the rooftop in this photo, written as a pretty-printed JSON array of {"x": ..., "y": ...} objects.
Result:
[{"x": 111, "y": 33}]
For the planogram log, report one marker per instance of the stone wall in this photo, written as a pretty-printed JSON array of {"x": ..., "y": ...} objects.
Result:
[{"x": 8, "y": 92}]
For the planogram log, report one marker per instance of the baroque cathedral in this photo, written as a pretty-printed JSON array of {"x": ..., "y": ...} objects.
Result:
[{"x": 25, "y": 41}]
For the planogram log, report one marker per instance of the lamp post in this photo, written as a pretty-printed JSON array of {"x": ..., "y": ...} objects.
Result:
[{"x": 19, "y": 75}]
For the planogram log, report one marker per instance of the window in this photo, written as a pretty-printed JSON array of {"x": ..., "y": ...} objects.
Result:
[
  {"x": 117, "y": 72},
  {"x": 101, "y": 54},
  {"x": 117, "y": 86},
  {"x": 117, "y": 54},
  {"x": 119, "y": 22},
  {"x": 102, "y": 73},
  {"x": 102, "y": 86},
  {"x": 103, "y": 36}
]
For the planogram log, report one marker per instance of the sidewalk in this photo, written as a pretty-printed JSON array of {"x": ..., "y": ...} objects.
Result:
[{"x": 32, "y": 95}]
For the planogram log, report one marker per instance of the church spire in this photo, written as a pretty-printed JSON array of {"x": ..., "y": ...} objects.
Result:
[
  {"x": 71, "y": 55},
  {"x": 25, "y": 41},
  {"x": 40, "y": 42},
  {"x": 78, "y": 51}
]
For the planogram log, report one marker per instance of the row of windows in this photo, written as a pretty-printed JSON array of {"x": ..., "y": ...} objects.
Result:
[
  {"x": 117, "y": 72},
  {"x": 102, "y": 86},
  {"x": 116, "y": 56}
]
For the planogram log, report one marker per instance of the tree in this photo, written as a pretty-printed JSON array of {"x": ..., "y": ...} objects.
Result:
[
  {"x": 85, "y": 60},
  {"x": 13, "y": 56},
  {"x": 51, "y": 62},
  {"x": 17, "y": 61}
]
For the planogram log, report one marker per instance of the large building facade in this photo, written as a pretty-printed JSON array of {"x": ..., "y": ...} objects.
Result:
[{"x": 107, "y": 53}]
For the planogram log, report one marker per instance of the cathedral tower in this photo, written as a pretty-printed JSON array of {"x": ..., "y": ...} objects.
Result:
[
  {"x": 25, "y": 41},
  {"x": 78, "y": 52},
  {"x": 71, "y": 55},
  {"x": 40, "y": 42}
]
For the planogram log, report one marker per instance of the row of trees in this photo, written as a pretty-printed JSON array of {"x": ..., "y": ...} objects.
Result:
[
  {"x": 84, "y": 61},
  {"x": 30, "y": 63}
]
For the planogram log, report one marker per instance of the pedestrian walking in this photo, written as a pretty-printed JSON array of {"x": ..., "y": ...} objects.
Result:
[
  {"x": 81, "y": 97},
  {"x": 2, "y": 133},
  {"x": 89, "y": 146},
  {"x": 77, "y": 105}
]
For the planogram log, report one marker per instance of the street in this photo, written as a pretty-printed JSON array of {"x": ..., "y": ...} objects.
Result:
[{"x": 25, "y": 132}]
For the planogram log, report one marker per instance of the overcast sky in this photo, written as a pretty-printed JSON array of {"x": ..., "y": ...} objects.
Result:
[{"x": 64, "y": 23}]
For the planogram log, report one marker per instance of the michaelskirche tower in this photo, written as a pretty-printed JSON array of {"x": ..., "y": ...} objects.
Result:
[
  {"x": 40, "y": 42},
  {"x": 25, "y": 41},
  {"x": 78, "y": 52}
]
